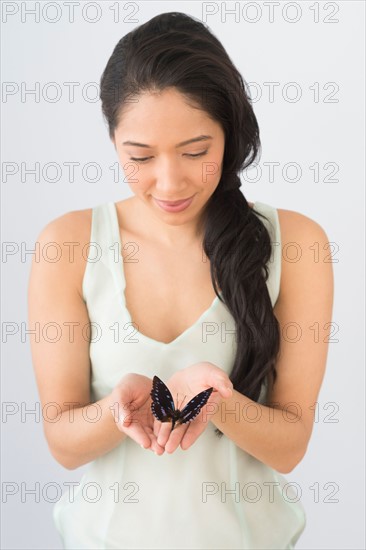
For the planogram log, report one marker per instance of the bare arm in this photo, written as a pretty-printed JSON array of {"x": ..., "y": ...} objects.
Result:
[
  {"x": 85, "y": 433},
  {"x": 280, "y": 434},
  {"x": 62, "y": 364}
]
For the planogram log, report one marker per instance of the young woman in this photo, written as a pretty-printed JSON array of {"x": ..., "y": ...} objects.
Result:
[{"x": 187, "y": 281}]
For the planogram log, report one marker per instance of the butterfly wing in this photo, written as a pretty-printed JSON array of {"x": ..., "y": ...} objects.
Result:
[
  {"x": 162, "y": 405},
  {"x": 194, "y": 406}
]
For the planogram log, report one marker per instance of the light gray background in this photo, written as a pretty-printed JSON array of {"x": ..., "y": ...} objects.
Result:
[{"x": 305, "y": 132}]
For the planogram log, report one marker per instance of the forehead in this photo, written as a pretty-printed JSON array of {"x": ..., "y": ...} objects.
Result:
[{"x": 167, "y": 111}]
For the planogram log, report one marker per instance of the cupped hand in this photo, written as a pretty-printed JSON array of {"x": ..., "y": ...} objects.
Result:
[
  {"x": 185, "y": 384},
  {"x": 132, "y": 396}
]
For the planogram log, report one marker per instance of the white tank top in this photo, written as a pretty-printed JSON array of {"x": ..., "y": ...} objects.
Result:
[{"x": 213, "y": 495}]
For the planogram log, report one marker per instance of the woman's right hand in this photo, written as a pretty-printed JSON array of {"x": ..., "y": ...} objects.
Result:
[{"x": 132, "y": 405}]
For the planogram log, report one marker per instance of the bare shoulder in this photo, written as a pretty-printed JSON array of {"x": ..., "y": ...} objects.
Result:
[
  {"x": 76, "y": 223},
  {"x": 294, "y": 223},
  {"x": 69, "y": 234},
  {"x": 306, "y": 250}
]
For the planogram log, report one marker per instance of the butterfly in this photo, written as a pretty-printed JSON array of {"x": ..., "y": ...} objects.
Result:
[{"x": 163, "y": 409}]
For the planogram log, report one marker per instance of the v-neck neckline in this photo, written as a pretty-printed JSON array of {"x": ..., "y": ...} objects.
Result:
[{"x": 121, "y": 274}]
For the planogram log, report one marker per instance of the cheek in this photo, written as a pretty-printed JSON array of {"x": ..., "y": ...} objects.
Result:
[
  {"x": 211, "y": 172},
  {"x": 133, "y": 174}
]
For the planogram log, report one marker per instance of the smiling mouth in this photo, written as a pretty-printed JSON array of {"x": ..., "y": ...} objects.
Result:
[{"x": 174, "y": 203}]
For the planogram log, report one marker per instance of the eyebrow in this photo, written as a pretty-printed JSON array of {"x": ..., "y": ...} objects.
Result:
[{"x": 181, "y": 144}]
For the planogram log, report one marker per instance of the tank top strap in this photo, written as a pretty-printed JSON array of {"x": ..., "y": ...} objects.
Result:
[
  {"x": 273, "y": 226},
  {"x": 104, "y": 247}
]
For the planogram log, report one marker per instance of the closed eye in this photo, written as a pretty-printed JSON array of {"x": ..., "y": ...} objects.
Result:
[{"x": 144, "y": 159}]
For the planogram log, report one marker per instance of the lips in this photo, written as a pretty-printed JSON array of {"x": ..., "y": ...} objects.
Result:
[
  {"x": 174, "y": 203},
  {"x": 174, "y": 206}
]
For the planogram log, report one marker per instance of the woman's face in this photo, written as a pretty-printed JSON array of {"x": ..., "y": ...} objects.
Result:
[{"x": 156, "y": 163}]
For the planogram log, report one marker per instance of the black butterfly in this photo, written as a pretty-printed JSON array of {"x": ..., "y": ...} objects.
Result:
[{"x": 163, "y": 409}]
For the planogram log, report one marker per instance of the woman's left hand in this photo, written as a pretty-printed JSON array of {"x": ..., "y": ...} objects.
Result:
[{"x": 187, "y": 383}]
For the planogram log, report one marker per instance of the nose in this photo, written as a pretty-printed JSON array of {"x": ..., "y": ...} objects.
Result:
[{"x": 171, "y": 182}]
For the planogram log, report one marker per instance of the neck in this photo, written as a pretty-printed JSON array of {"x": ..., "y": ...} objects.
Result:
[{"x": 169, "y": 235}]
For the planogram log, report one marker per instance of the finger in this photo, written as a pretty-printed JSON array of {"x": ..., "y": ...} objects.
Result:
[
  {"x": 133, "y": 389},
  {"x": 158, "y": 449},
  {"x": 164, "y": 433},
  {"x": 155, "y": 447},
  {"x": 199, "y": 424},
  {"x": 136, "y": 432},
  {"x": 156, "y": 427},
  {"x": 193, "y": 432},
  {"x": 221, "y": 382},
  {"x": 175, "y": 438},
  {"x": 126, "y": 414}
]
